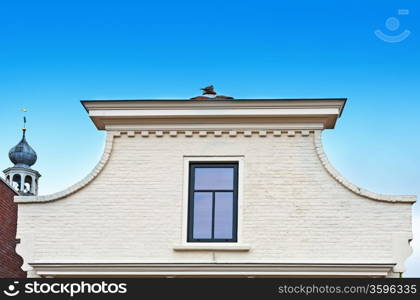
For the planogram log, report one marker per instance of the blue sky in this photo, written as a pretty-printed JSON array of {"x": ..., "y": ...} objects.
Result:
[{"x": 55, "y": 53}]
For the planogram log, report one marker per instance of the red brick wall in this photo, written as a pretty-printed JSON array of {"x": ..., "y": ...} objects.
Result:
[{"x": 10, "y": 262}]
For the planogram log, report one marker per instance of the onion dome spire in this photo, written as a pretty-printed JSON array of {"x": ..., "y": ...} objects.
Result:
[
  {"x": 21, "y": 177},
  {"x": 22, "y": 155}
]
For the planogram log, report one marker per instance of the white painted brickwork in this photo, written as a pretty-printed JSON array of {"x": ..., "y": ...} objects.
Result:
[{"x": 293, "y": 210}]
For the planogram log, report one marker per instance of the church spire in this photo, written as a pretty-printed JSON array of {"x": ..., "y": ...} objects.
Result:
[{"x": 21, "y": 176}]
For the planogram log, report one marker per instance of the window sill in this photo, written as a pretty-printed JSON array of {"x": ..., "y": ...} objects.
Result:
[{"x": 207, "y": 247}]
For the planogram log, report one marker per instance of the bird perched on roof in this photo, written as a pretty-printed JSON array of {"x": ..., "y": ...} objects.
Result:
[
  {"x": 210, "y": 94},
  {"x": 208, "y": 90}
]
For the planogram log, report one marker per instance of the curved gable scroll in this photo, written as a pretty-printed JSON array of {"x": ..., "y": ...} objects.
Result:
[
  {"x": 318, "y": 148},
  {"x": 352, "y": 187},
  {"x": 82, "y": 183}
]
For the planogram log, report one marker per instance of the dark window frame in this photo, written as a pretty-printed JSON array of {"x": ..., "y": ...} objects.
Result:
[{"x": 192, "y": 190}]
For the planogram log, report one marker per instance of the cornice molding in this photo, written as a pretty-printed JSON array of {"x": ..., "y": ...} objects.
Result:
[
  {"x": 352, "y": 187},
  {"x": 213, "y": 269},
  {"x": 216, "y": 133},
  {"x": 219, "y": 104},
  {"x": 22, "y": 170},
  {"x": 215, "y": 114}
]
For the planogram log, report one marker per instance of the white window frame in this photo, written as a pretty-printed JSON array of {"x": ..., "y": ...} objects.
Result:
[{"x": 185, "y": 245}]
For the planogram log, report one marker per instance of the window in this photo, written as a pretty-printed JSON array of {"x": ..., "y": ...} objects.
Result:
[{"x": 213, "y": 202}]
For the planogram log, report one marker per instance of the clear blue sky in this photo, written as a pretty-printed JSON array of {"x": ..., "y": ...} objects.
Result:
[{"x": 54, "y": 53}]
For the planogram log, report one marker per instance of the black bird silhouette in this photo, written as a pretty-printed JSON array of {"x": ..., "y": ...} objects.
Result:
[{"x": 208, "y": 90}]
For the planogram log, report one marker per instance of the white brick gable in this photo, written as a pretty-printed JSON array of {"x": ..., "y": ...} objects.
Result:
[{"x": 295, "y": 209}]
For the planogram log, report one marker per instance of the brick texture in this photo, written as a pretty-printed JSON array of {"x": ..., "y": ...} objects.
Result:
[
  {"x": 10, "y": 262},
  {"x": 293, "y": 209}
]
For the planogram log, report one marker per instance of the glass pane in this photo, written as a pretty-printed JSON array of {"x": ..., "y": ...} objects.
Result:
[
  {"x": 203, "y": 206},
  {"x": 213, "y": 179},
  {"x": 223, "y": 216}
]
